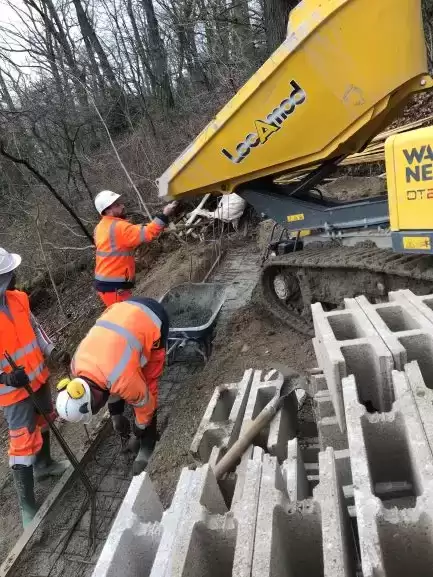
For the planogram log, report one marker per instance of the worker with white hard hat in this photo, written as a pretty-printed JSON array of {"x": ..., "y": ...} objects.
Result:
[
  {"x": 23, "y": 339},
  {"x": 115, "y": 240},
  {"x": 120, "y": 361}
]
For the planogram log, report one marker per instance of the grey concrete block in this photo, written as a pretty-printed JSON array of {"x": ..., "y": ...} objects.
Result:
[
  {"x": 411, "y": 324},
  {"x": 295, "y": 473},
  {"x": 330, "y": 434},
  {"x": 392, "y": 467},
  {"x": 198, "y": 538},
  {"x": 424, "y": 303},
  {"x": 223, "y": 418},
  {"x": 290, "y": 535},
  {"x": 342, "y": 461},
  {"x": 323, "y": 405},
  {"x": 245, "y": 508},
  {"x": 405, "y": 330},
  {"x": 347, "y": 343},
  {"x": 423, "y": 397},
  {"x": 339, "y": 551},
  {"x": 134, "y": 538},
  {"x": 284, "y": 426}
]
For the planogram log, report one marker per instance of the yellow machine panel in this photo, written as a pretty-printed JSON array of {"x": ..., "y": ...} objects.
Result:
[
  {"x": 337, "y": 80},
  {"x": 409, "y": 166}
]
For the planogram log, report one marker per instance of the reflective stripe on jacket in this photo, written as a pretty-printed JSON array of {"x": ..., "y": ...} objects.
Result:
[
  {"x": 116, "y": 349},
  {"x": 18, "y": 338},
  {"x": 115, "y": 241}
]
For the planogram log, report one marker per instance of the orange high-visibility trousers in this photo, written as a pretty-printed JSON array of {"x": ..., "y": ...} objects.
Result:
[
  {"x": 25, "y": 426},
  {"x": 114, "y": 297}
]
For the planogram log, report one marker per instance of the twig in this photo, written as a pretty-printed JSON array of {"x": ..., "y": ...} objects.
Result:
[
  {"x": 46, "y": 263},
  {"x": 89, "y": 246},
  {"x": 44, "y": 181},
  {"x": 113, "y": 146}
]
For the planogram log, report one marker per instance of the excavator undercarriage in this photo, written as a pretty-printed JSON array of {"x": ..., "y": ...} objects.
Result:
[{"x": 329, "y": 273}]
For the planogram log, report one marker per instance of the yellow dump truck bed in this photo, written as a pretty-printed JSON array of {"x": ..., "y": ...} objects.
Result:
[{"x": 340, "y": 76}]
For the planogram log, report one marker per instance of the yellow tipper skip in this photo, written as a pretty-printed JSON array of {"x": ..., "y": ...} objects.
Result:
[
  {"x": 330, "y": 87},
  {"x": 344, "y": 72}
]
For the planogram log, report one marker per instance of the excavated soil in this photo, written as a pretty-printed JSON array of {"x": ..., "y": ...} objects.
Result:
[
  {"x": 250, "y": 339},
  {"x": 349, "y": 188}
]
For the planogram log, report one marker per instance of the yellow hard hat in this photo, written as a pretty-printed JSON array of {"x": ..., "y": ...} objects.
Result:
[{"x": 75, "y": 387}]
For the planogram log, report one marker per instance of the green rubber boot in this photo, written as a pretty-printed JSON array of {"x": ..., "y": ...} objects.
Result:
[
  {"x": 24, "y": 485},
  {"x": 45, "y": 466},
  {"x": 147, "y": 439}
]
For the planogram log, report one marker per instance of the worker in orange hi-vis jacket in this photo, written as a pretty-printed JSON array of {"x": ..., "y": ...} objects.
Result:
[
  {"x": 120, "y": 361},
  {"x": 23, "y": 339},
  {"x": 115, "y": 241}
]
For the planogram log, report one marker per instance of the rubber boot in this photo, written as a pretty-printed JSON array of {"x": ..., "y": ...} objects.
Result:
[
  {"x": 24, "y": 485},
  {"x": 45, "y": 466},
  {"x": 143, "y": 457},
  {"x": 147, "y": 439}
]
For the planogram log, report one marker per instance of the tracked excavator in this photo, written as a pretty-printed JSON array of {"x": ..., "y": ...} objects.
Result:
[{"x": 345, "y": 71}]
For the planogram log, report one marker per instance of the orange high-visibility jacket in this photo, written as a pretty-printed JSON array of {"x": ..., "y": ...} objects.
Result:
[
  {"x": 18, "y": 338},
  {"x": 116, "y": 349},
  {"x": 115, "y": 240}
]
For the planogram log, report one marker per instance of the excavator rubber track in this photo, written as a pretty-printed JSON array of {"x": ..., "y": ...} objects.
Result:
[{"x": 289, "y": 284}]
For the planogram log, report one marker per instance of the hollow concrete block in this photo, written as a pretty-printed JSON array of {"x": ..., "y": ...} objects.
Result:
[
  {"x": 290, "y": 538},
  {"x": 330, "y": 434},
  {"x": 347, "y": 343},
  {"x": 339, "y": 552},
  {"x": 408, "y": 321},
  {"x": 423, "y": 397},
  {"x": 424, "y": 303},
  {"x": 294, "y": 472},
  {"x": 133, "y": 541},
  {"x": 284, "y": 425},
  {"x": 405, "y": 330},
  {"x": 198, "y": 537},
  {"x": 222, "y": 421},
  {"x": 392, "y": 468},
  {"x": 245, "y": 509}
]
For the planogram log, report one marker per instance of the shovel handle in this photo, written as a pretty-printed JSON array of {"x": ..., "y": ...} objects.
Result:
[{"x": 238, "y": 449}]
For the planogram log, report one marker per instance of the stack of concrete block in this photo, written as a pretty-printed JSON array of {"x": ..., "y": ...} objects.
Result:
[
  {"x": 266, "y": 532},
  {"x": 232, "y": 408},
  {"x": 392, "y": 467},
  {"x": 347, "y": 343}
]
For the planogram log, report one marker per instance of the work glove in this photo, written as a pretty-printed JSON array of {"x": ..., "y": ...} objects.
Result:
[
  {"x": 17, "y": 378},
  {"x": 170, "y": 209},
  {"x": 60, "y": 357}
]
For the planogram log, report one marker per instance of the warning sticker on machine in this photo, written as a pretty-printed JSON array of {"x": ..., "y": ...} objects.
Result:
[
  {"x": 416, "y": 243},
  {"x": 295, "y": 217}
]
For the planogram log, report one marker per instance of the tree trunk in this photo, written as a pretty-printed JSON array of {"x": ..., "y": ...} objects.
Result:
[
  {"x": 276, "y": 16},
  {"x": 119, "y": 114},
  {"x": 242, "y": 35},
  {"x": 158, "y": 54}
]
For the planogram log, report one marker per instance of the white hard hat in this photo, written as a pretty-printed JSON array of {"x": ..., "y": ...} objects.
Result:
[
  {"x": 8, "y": 261},
  {"x": 75, "y": 410},
  {"x": 104, "y": 199}
]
